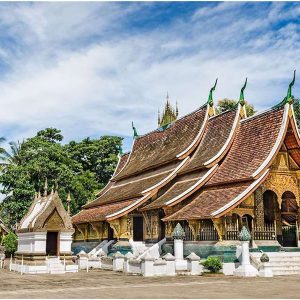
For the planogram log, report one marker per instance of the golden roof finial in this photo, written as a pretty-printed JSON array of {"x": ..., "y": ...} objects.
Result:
[
  {"x": 68, "y": 202},
  {"x": 46, "y": 187}
]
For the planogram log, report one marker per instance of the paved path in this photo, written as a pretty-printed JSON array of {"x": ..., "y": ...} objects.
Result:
[{"x": 107, "y": 284}]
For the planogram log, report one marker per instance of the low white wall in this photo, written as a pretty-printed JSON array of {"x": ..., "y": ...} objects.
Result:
[
  {"x": 65, "y": 239},
  {"x": 107, "y": 263},
  {"x": 32, "y": 242}
]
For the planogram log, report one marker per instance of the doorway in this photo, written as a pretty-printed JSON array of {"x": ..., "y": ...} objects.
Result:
[
  {"x": 289, "y": 210},
  {"x": 138, "y": 228},
  {"x": 52, "y": 243},
  {"x": 110, "y": 233}
]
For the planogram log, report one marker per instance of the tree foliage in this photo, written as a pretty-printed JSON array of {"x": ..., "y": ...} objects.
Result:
[
  {"x": 9, "y": 241},
  {"x": 297, "y": 111},
  {"x": 213, "y": 264},
  {"x": 228, "y": 104},
  {"x": 81, "y": 168}
]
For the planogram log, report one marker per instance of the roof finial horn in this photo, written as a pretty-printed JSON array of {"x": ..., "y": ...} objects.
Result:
[
  {"x": 135, "y": 134},
  {"x": 210, "y": 100},
  {"x": 289, "y": 96},
  {"x": 242, "y": 97}
]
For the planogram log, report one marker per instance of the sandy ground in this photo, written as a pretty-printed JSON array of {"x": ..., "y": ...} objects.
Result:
[{"x": 108, "y": 284}]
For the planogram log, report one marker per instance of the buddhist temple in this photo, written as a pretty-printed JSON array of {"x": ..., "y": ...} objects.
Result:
[
  {"x": 211, "y": 173},
  {"x": 45, "y": 237}
]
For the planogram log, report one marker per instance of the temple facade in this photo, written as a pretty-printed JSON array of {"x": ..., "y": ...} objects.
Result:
[{"x": 211, "y": 173}]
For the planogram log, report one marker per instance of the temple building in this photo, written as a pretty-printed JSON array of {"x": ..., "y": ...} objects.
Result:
[
  {"x": 45, "y": 237},
  {"x": 211, "y": 173}
]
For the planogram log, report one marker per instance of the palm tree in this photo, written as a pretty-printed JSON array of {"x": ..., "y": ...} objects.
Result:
[{"x": 13, "y": 157}]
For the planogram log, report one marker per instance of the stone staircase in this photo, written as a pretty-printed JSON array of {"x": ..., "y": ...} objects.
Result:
[
  {"x": 138, "y": 248},
  {"x": 55, "y": 266},
  {"x": 282, "y": 263}
]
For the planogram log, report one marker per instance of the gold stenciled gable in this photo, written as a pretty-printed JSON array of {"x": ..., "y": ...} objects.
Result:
[{"x": 169, "y": 114}]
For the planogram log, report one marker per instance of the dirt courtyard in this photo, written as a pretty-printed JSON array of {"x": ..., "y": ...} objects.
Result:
[{"x": 108, "y": 284}]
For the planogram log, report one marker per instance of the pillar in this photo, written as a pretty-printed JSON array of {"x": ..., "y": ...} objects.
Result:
[
  {"x": 147, "y": 266},
  {"x": 178, "y": 249},
  {"x": 245, "y": 269},
  {"x": 193, "y": 264},
  {"x": 118, "y": 262},
  {"x": 259, "y": 207}
]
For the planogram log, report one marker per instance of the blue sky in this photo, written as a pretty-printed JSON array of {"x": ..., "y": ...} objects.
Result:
[{"x": 91, "y": 68}]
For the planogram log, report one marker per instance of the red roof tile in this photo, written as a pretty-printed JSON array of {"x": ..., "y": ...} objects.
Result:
[
  {"x": 99, "y": 213},
  {"x": 255, "y": 139},
  {"x": 208, "y": 201},
  {"x": 132, "y": 187},
  {"x": 216, "y": 134},
  {"x": 181, "y": 185},
  {"x": 159, "y": 147}
]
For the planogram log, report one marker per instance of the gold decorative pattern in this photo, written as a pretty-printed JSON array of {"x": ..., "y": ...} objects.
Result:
[
  {"x": 54, "y": 222},
  {"x": 195, "y": 227},
  {"x": 218, "y": 224},
  {"x": 120, "y": 227},
  {"x": 280, "y": 183}
]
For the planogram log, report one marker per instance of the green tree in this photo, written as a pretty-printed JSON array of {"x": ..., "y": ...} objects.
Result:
[
  {"x": 297, "y": 111},
  {"x": 79, "y": 168},
  {"x": 9, "y": 241},
  {"x": 51, "y": 135},
  {"x": 13, "y": 157},
  {"x": 227, "y": 104},
  {"x": 98, "y": 156}
]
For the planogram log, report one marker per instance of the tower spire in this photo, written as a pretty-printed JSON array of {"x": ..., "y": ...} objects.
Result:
[{"x": 135, "y": 134}]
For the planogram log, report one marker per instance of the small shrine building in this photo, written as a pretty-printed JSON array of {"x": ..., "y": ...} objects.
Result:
[
  {"x": 212, "y": 173},
  {"x": 45, "y": 231}
]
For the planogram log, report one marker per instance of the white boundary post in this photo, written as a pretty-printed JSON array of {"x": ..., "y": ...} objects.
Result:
[{"x": 22, "y": 265}]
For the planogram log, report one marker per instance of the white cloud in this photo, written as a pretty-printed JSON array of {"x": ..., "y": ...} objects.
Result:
[{"x": 80, "y": 69}]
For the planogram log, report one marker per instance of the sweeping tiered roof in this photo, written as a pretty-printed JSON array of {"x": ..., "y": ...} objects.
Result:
[
  {"x": 211, "y": 162},
  {"x": 154, "y": 161},
  {"x": 216, "y": 140},
  {"x": 257, "y": 142}
]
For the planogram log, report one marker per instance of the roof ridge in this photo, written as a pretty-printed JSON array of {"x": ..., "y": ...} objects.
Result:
[
  {"x": 185, "y": 116},
  {"x": 258, "y": 114},
  {"x": 223, "y": 113}
]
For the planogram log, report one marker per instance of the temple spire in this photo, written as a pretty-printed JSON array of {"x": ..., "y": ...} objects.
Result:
[
  {"x": 169, "y": 113},
  {"x": 289, "y": 96},
  {"x": 68, "y": 203},
  {"x": 135, "y": 134},
  {"x": 46, "y": 187},
  {"x": 210, "y": 100},
  {"x": 242, "y": 98}
]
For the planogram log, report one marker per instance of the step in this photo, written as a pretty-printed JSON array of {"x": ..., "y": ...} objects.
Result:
[
  {"x": 282, "y": 263},
  {"x": 289, "y": 272},
  {"x": 183, "y": 272},
  {"x": 288, "y": 267}
]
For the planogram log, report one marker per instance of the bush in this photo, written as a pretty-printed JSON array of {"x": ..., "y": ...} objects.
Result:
[
  {"x": 9, "y": 241},
  {"x": 213, "y": 264}
]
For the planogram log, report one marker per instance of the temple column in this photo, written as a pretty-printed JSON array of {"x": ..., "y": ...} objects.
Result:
[
  {"x": 219, "y": 226},
  {"x": 259, "y": 207},
  {"x": 194, "y": 225},
  {"x": 122, "y": 227}
]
